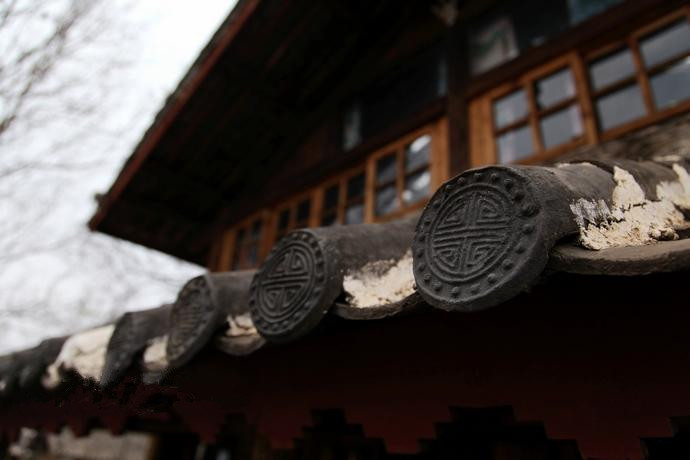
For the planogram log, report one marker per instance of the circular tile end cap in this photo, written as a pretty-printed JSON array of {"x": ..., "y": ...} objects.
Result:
[
  {"x": 194, "y": 318},
  {"x": 294, "y": 288},
  {"x": 479, "y": 241}
]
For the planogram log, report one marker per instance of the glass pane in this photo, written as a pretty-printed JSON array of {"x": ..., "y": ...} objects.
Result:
[
  {"x": 561, "y": 127},
  {"x": 352, "y": 126},
  {"x": 331, "y": 197},
  {"x": 355, "y": 186},
  {"x": 620, "y": 107},
  {"x": 510, "y": 108},
  {"x": 386, "y": 200},
  {"x": 665, "y": 44},
  {"x": 328, "y": 219},
  {"x": 256, "y": 229},
  {"x": 671, "y": 86},
  {"x": 354, "y": 214},
  {"x": 284, "y": 219},
  {"x": 611, "y": 68},
  {"x": 416, "y": 187},
  {"x": 252, "y": 255},
  {"x": 386, "y": 169},
  {"x": 303, "y": 210},
  {"x": 555, "y": 88},
  {"x": 241, "y": 236},
  {"x": 417, "y": 153},
  {"x": 514, "y": 145},
  {"x": 492, "y": 43},
  {"x": 581, "y": 10}
]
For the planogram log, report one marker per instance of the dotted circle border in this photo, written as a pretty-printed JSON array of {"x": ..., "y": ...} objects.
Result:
[
  {"x": 483, "y": 284},
  {"x": 296, "y": 316}
]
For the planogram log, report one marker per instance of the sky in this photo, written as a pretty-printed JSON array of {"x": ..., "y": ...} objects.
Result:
[{"x": 56, "y": 277}]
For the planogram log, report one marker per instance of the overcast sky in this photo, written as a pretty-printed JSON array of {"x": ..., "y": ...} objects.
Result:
[{"x": 76, "y": 279}]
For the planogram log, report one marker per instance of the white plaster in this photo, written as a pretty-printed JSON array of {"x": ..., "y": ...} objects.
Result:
[
  {"x": 632, "y": 219},
  {"x": 672, "y": 157},
  {"x": 677, "y": 192},
  {"x": 240, "y": 326},
  {"x": 84, "y": 353},
  {"x": 380, "y": 282},
  {"x": 155, "y": 358}
]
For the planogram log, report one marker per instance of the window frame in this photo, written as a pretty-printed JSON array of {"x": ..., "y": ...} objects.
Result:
[
  {"x": 436, "y": 167},
  {"x": 483, "y": 134},
  {"x": 229, "y": 248},
  {"x": 292, "y": 205}
]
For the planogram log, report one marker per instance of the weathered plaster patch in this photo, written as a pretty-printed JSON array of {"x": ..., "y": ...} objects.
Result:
[
  {"x": 155, "y": 358},
  {"x": 240, "y": 325},
  {"x": 632, "y": 219},
  {"x": 677, "y": 192},
  {"x": 381, "y": 282},
  {"x": 83, "y": 353},
  {"x": 672, "y": 157}
]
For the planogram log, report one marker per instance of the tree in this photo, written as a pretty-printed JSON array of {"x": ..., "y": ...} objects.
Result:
[{"x": 63, "y": 80}]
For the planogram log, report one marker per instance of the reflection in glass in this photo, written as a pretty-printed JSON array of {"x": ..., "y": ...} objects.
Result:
[
  {"x": 611, "y": 69},
  {"x": 581, "y": 10},
  {"x": 303, "y": 211},
  {"x": 256, "y": 229},
  {"x": 417, "y": 153},
  {"x": 671, "y": 86},
  {"x": 515, "y": 145},
  {"x": 329, "y": 219},
  {"x": 331, "y": 197},
  {"x": 555, "y": 88},
  {"x": 492, "y": 42},
  {"x": 355, "y": 186},
  {"x": 253, "y": 255},
  {"x": 386, "y": 200},
  {"x": 416, "y": 187},
  {"x": 561, "y": 127},
  {"x": 352, "y": 126},
  {"x": 284, "y": 220},
  {"x": 510, "y": 108},
  {"x": 386, "y": 169},
  {"x": 354, "y": 214},
  {"x": 666, "y": 43},
  {"x": 620, "y": 107}
]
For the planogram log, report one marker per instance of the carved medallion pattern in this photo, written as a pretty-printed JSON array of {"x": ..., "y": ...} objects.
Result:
[
  {"x": 473, "y": 236},
  {"x": 192, "y": 310},
  {"x": 288, "y": 286}
]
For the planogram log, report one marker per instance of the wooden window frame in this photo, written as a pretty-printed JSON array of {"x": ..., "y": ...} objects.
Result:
[
  {"x": 229, "y": 248},
  {"x": 484, "y": 135},
  {"x": 341, "y": 182},
  {"x": 292, "y": 204},
  {"x": 526, "y": 83},
  {"x": 642, "y": 75},
  {"x": 439, "y": 163},
  {"x": 437, "y": 167}
]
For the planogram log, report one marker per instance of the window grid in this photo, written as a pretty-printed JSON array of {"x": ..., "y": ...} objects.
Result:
[
  {"x": 320, "y": 209},
  {"x": 484, "y": 145}
]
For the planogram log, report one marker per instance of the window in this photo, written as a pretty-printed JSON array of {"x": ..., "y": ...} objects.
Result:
[
  {"x": 643, "y": 77},
  {"x": 505, "y": 31},
  {"x": 407, "y": 89},
  {"x": 386, "y": 184},
  {"x": 247, "y": 244},
  {"x": 394, "y": 180},
  {"x": 586, "y": 97},
  {"x": 540, "y": 114},
  {"x": 343, "y": 201},
  {"x": 402, "y": 175},
  {"x": 296, "y": 214}
]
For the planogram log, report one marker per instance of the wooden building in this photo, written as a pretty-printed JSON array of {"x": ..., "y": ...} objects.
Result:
[{"x": 433, "y": 229}]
